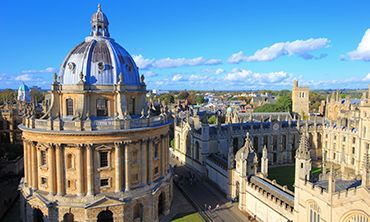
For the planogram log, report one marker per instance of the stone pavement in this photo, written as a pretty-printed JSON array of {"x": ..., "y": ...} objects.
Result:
[{"x": 204, "y": 195}]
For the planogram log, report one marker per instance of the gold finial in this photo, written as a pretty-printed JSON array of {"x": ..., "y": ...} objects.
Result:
[{"x": 99, "y": 7}]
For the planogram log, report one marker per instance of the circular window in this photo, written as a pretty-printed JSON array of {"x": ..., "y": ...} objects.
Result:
[
  {"x": 71, "y": 66},
  {"x": 101, "y": 66}
]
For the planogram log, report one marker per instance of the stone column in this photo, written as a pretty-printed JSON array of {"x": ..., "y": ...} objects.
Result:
[
  {"x": 51, "y": 164},
  {"x": 25, "y": 167},
  {"x": 80, "y": 171},
  {"x": 150, "y": 161},
  {"x": 144, "y": 157},
  {"x": 34, "y": 167},
  {"x": 29, "y": 163},
  {"x": 60, "y": 170},
  {"x": 118, "y": 166},
  {"x": 127, "y": 168},
  {"x": 90, "y": 169},
  {"x": 162, "y": 159}
]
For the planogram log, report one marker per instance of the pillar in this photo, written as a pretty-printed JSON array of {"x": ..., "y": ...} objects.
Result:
[
  {"x": 80, "y": 171},
  {"x": 143, "y": 167},
  {"x": 34, "y": 167},
  {"x": 118, "y": 166},
  {"x": 29, "y": 163},
  {"x": 25, "y": 167},
  {"x": 127, "y": 168},
  {"x": 150, "y": 161},
  {"x": 51, "y": 164},
  {"x": 90, "y": 169},
  {"x": 60, "y": 170},
  {"x": 162, "y": 159}
]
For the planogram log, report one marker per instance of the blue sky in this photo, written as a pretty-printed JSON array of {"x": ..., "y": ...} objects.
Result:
[{"x": 193, "y": 44}]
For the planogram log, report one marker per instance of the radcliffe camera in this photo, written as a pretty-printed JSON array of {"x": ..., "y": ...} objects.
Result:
[{"x": 184, "y": 111}]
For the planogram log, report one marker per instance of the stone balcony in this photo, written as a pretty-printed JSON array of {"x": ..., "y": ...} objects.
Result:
[{"x": 93, "y": 124}]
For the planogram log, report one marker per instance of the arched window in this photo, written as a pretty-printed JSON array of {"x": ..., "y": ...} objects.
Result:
[
  {"x": 235, "y": 145},
  {"x": 68, "y": 217},
  {"x": 101, "y": 107},
  {"x": 70, "y": 161},
  {"x": 105, "y": 216},
  {"x": 133, "y": 102},
  {"x": 161, "y": 204},
  {"x": 156, "y": 150},
  {"x": 197, "y": 150},
  {"x": 69, "y": 104},
  {"x": 38, "y": 216},
  {"x": 313, "y": 212},
  {"x": 357, "y": 217}
]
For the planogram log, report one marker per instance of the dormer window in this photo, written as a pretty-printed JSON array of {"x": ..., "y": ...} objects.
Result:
[
  {"x": 69, "y": 104},
  {"x": 101, "y": 107}
]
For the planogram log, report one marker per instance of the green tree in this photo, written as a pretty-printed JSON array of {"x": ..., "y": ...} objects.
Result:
[
  {"x": 212, "y": 120},
  {"x": 199, "y": 99},
  {"x": 167, "y": 98},
  {"x": 183, "y": 95},
  {"x": 283, "y": 103},
  {"x": 8, "y": 96},
  {"x": 37, "y": 94}
]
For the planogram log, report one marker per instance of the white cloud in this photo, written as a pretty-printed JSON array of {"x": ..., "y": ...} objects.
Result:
[
  {"x": 301, "y": 48},
  {"x": 150, "y": 74},
  {"x": 363, "y": 49},
  {"x": 244, "y": 76},
  {"x": 24, "y": 77},
  {"x": 177, "y": 77},
  {"x": 367, "y": 77},
  {"x": 144, "y": 63},
  {"x": 219, "y": 71},
  {"x": 46, "y": 70}
]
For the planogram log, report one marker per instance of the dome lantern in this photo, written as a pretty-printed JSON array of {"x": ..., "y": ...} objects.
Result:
[{"x": 99, "y": 23}]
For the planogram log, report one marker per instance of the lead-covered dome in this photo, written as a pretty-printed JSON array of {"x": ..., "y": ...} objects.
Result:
[{"x": 99, "y": 58}]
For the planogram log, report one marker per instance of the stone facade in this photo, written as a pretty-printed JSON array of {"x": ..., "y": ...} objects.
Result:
[
  {"x": 98, "y": 153},
  {"x": 10, "y": 118},
  {"x": 300, "y": 99}
]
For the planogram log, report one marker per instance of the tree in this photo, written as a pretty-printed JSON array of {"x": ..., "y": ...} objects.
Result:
[
  {"x": 315, "y": 101},
  {"x": 167, "y": 98},
  {"x": 283, "y": 103},
  {"x": 212, "y": 120},
  {"x": 8, "y": 96},
  {"x": 199, "y": 99},
  {"x": 183, "y": 95},
  {"x": 37, "y": 94}
]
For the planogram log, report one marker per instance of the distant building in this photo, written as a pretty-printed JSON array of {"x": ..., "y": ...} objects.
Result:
[{"x": 300, "y": 99}]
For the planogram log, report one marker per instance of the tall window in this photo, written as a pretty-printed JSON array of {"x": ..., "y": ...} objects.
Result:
[
  {"x": 314, "y": 213},
  {"x": 103, "y": 159},
  {"x": 133, "y": 106},
  {"x": 101, "y": 107},
  {"x": 43, "y": 158},
  {"x": 156, "y": 151},
  {"x": 70, "y": 161},
  {"x": 69, "y": 107}
]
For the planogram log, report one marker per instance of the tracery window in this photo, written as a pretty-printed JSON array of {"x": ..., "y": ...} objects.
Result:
[
  {"x": 357, "y": 217},
  {"x": 314, "y": 212}
]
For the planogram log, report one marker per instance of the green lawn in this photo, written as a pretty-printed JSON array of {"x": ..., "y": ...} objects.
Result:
[
  {"x": 283, "y": 175},
  {"x": 194, "y": 217}
]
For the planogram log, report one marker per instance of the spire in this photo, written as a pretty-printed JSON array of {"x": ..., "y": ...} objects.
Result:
[
  {"x": 99, "y": 23},
  {"x": 303, "y": 151},
  {"x": 264, "y": 162}
]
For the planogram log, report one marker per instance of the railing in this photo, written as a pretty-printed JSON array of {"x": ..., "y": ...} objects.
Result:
[{"x": 60, "y": 124}]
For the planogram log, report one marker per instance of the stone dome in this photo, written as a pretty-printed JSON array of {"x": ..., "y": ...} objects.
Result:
[
  {"x": 24, "y": 93},
  {"x": 99, "y": 58}
]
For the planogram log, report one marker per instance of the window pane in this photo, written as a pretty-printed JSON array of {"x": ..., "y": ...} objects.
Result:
[
  {"x": 103, "y": 159},
  {"x": 69, "y": 107}
]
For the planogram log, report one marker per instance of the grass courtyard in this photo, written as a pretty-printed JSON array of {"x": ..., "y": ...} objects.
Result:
[
  {"x": 194, "y": 217},
  {"x": 283, "y": 175}
]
